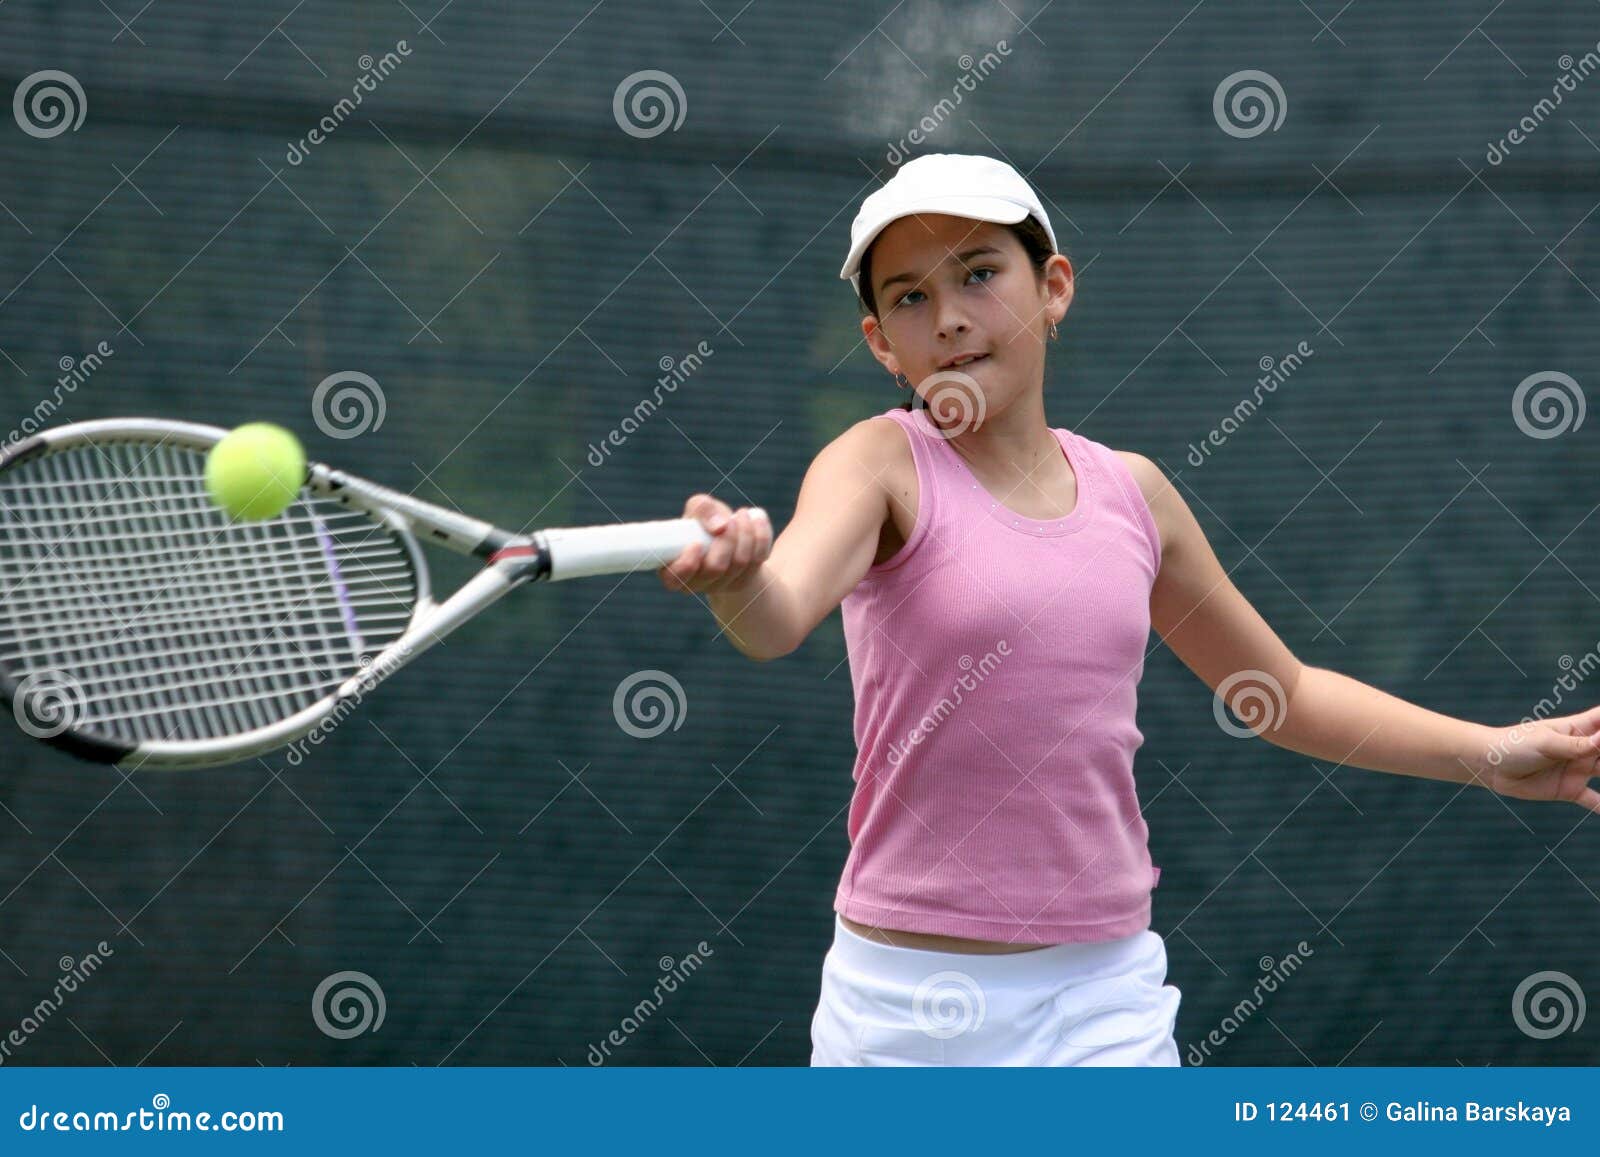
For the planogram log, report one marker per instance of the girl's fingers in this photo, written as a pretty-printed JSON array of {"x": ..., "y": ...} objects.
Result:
[
  {"x": 745, "y": 549},
  {"x": 740, "y": 540},
  {"x": 1584, "y": 746},
  {"x": 719, "y": 553},
  {"x": 677, "y": 574}
]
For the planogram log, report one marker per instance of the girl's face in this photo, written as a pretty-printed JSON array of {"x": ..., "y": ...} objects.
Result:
[{"x": 956, "y": 296}]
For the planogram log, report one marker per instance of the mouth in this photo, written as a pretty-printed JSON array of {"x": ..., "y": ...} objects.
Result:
[{"x": 962, "y": 361}]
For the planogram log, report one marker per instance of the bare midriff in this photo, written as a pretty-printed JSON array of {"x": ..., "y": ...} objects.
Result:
[{"x": 932, "y": 942}]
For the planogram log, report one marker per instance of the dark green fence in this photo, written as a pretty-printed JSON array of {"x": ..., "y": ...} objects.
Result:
[{"x": 484, "y": 238}]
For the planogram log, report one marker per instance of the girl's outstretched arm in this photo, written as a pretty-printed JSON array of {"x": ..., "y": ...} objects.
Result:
[
  {"x": 1328, "y": 716},
  {"x": 768, "y": 603}
]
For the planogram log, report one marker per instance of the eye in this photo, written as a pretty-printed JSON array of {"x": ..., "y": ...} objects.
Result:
[
  {"x": 983, "y": 273},
  {"x": 905, "y": 298}
]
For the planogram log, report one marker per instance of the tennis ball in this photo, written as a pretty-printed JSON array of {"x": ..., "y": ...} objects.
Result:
[{"x": 256, "y": 471}]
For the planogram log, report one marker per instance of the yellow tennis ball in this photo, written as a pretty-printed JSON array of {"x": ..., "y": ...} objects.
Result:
[{"x": 256, "y": 471}]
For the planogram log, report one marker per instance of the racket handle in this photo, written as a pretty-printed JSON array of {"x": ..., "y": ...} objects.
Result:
[{"x": 578, "y": 551}]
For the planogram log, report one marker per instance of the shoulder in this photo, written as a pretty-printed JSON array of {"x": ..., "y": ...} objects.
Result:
[
  {"x": 1157, "y": 490},
  {"x": 1152, "y": 482},
  {"x": 878, "y": 443},
  {"x": 874, "y": 450}
]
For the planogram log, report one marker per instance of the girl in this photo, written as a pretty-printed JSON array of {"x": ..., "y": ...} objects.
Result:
[{"x": 998, "y": 580}]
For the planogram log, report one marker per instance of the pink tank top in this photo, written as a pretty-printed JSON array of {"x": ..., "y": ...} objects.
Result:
[{"x": 995, "y": 661}]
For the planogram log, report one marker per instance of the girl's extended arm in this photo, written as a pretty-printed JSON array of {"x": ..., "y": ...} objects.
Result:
[
  {"x": 1328, "y": 716},
  {"x": 1340, "y": 720},
  {"x": 768, "y": 604}
]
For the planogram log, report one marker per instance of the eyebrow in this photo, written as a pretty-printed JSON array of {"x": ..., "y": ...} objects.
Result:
[{"x": 964, "y": 256}]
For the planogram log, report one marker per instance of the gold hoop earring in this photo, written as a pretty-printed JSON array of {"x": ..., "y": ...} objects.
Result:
[
  {"x": 901, "y": 381},
  {"x": 1054, "y": 333}
]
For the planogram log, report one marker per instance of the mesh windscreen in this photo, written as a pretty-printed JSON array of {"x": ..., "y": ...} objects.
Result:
[{"x": 484, "y": 247}]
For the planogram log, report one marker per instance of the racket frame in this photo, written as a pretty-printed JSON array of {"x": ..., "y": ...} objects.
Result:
[{"x": 510, "y": 560}]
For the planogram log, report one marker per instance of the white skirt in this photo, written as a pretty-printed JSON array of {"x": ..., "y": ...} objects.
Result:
[{"x": 1103, "y": 1003}]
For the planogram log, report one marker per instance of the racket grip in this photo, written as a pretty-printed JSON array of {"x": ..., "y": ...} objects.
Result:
[{"x": 578, "y": 551}]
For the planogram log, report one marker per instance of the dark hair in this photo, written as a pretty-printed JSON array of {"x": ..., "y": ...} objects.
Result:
[{"x": 1035, "y": 243}]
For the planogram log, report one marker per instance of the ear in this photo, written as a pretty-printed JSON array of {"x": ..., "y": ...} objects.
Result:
[
  {"x": 878, "y": 343},
  {"x": 1057, "y": 288}
]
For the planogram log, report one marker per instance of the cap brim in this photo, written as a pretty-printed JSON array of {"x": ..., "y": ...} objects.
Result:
[{"x": 993, "y": 209}]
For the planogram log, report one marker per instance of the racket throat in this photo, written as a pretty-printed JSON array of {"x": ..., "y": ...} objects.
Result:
[{"x": 522, "y": 559}]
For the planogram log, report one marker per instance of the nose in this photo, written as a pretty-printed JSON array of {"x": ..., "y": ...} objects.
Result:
[{"x": 951, "y": 321}]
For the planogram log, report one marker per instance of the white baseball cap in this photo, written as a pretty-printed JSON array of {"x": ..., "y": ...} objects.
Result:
[{"x": 957, "y": 184}]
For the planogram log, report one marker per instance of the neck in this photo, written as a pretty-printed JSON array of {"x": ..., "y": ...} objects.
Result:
[{"x": 1008, "y": 442}]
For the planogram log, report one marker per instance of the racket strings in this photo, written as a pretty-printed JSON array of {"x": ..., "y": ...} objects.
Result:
[
  {"x": 120, "y": 579},
  {"x": 225, "y": 614}
]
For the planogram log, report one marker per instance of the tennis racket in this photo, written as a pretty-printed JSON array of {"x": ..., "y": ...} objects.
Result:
[{"x": 140, "y": 626}]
